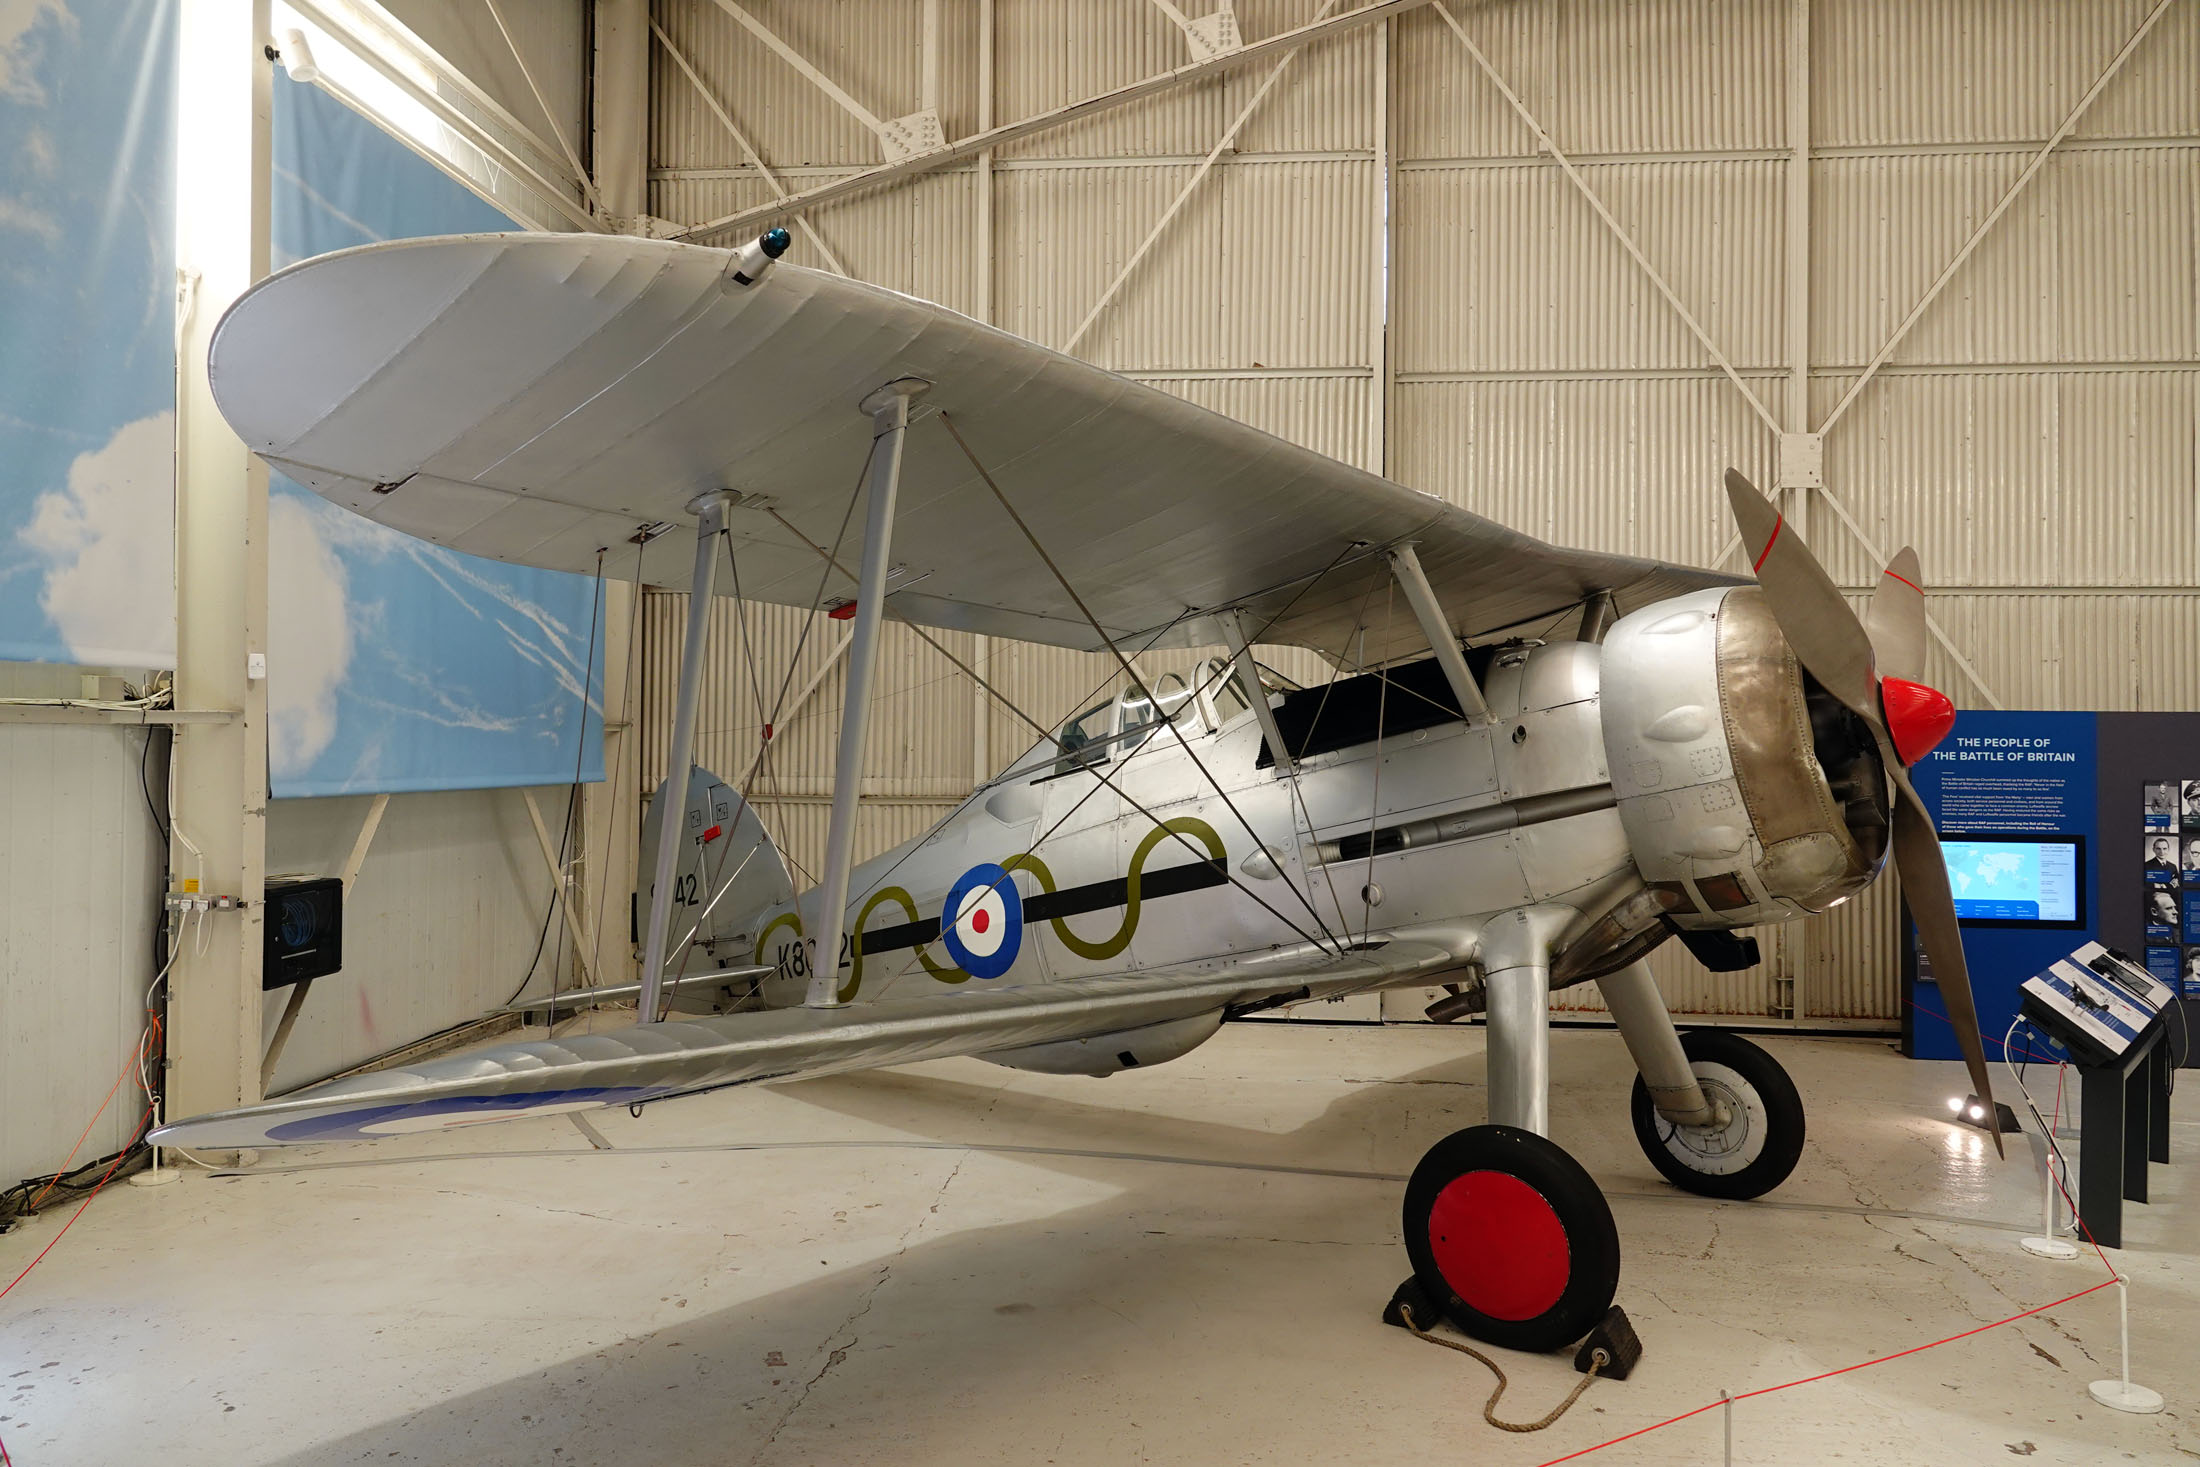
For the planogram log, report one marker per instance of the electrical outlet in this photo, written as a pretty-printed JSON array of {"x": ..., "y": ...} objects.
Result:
[{"x": 190, "y": 902}]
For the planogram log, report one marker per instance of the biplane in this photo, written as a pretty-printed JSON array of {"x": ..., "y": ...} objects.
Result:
[{"x": 1679, "y": 755}]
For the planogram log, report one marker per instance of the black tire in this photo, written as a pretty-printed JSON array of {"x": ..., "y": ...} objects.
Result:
[
  {"x": 1763, "y": 1102},
  {"x": 1549, "y": 1272}
]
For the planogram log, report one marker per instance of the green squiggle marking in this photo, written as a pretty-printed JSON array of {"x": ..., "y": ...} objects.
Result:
[
  {"x": 1098, "y": 952},
  {"x": 784, "y": 919},
  {"x": 901, "y": 898},
  {"x": 1113, "y": 945},
  {"x": 855, "y": 941}
]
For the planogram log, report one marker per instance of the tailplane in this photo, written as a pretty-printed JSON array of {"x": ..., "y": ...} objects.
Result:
[{"x": 730, "y": 874}]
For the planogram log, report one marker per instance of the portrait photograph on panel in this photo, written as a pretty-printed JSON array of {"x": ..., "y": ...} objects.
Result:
[
  {"x": 2161, "y": 859},
  {"x": 2162, "y": 804},
  {"x": 2160, "y": 906}
]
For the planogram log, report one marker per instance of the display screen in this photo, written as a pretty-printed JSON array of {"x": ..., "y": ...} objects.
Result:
[{"x": 2016, "y": 879}]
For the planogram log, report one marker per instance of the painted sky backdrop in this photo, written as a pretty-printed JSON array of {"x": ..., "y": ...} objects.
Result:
[
  {"x": 393, "y": 665},
  {"x": 87, "y": 332},
  {"x": 405, "y": 666}
]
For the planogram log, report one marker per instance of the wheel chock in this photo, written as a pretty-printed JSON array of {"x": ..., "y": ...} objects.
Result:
[
  {"x": 1613, "y": 1336},
  {"x": 1410, "y": 1295}
]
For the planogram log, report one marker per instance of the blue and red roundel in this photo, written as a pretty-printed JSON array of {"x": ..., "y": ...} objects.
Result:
[{"x": 982, "y": 922}]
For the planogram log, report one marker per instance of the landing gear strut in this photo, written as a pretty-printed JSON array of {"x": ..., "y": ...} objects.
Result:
[{"x": 1511, "y": 1238}]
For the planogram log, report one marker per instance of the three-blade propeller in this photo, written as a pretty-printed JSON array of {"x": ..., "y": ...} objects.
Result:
[{"x": 1872, "y": 667}]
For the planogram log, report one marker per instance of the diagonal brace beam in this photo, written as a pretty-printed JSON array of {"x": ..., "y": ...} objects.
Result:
[
  {"x": 1573, "y": 176},
  {"x": 1223, "y": 144},
  {"x": 2031, "y": 169},
  {"x": 756, "y": 161},
  {"x": 804, "y": 65},
  {"x": 1879, "y": 557},
  {"x": 969, "y": 147}
]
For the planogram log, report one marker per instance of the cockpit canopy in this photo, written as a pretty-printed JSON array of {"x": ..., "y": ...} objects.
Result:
[{"x": 1205, "y": 698}]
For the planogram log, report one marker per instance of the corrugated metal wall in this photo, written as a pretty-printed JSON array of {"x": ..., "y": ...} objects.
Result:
[
  {"x": 440, "y": 927},
  {"x": 83, "y": 868},
  {"x": 2034, "y": 435}
]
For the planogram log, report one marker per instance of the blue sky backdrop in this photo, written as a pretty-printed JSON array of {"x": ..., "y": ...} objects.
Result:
[
  {"x": 408, "y": 666},
  {"x": 393, "y": 665},
  {"x": 87, "y": 332}
]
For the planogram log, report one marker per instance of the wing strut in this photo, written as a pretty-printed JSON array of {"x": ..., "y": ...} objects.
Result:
[
  {"x": 1427, "y": 610},
  {"x": 1241, "y": 653},
  {"x": 710, "y": 520},
  {"x": 889, "y": 410}
]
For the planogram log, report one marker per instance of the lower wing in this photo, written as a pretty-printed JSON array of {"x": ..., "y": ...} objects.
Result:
[{"x": 652, "y": 1061}]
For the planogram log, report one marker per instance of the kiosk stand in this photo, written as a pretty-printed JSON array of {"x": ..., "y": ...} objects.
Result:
[{"x": 2110, "y": 1014}]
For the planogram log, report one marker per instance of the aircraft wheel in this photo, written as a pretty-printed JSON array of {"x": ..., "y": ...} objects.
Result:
[
  {"x": 1510, "y": 1235},
  {"x": 1760, "y": 1143}
]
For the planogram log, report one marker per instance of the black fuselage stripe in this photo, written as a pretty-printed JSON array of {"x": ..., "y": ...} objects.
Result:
[
  {"x": 1069, "y": 902},
  {"x": 907, "y": 935}
]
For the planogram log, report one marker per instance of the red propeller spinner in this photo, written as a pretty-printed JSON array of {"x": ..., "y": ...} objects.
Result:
[{"x": 1918, "y": 717}]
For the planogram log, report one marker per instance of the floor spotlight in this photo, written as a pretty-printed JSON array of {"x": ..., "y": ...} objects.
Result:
[{"x": 1969, "y": 1110}]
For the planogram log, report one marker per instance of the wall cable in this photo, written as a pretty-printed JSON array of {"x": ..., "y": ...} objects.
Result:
[{"x": 562, "y": 891}]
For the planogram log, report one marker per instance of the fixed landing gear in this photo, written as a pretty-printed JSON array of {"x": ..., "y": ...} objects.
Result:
[
  {"x": 1756, "y": 1144},
  {"x": 1508, "y": 1235},
  {"x": 1510, "y": 1238}
]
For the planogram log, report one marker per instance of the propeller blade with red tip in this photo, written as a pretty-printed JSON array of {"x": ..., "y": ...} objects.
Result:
[
  {"x": 1812, "y": 613},
  {"x": 1896, "y": 620},
  {"x": 1917, "y": 716},
  {"x": 1906, "y": 718}
]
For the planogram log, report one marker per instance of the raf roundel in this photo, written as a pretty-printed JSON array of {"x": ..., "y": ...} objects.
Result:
[{"x": 982, "y": 922}]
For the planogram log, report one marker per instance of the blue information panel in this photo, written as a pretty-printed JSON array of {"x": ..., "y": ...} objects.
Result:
[
  {"x": 2056, "y": 824},
  {"x": 2015, "y": 797}
]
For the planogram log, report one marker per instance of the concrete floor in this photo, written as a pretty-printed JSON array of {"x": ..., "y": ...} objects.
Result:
[{"x": 955, "y": 1263}]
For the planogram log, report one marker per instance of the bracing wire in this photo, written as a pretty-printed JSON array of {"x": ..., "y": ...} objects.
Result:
[
  {"x": 762, "y": 772},
  {"x": 1214, "y": 676},
  {"x": 1129, "y": 671},
  {"x": 1105, "y": 781},
  {"x": 572, "y": 795}
]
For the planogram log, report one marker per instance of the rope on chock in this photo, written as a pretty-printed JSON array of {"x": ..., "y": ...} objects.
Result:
[{"x": 1598, "y": 1359}]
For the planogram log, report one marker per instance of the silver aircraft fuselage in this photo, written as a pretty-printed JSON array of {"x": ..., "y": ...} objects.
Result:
[{"x": 1508, "y": 840}]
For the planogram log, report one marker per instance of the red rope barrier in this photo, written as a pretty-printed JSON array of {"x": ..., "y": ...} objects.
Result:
[
  {"x": 145, "y": 1040},
  {"x": 120, "y": 1157},
  {"x": 1914, "y": 1349},
  {"x": 1828, "y": 1375}
]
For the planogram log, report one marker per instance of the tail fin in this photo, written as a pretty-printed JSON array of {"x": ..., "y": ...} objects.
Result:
[{"x": 730, "y": 872}]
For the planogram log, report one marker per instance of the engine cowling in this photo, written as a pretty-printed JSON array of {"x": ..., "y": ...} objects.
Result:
[{"x": 1747, "y": 792}]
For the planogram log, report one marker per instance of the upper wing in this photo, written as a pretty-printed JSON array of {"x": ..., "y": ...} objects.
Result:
[
  {"x": 540, "y": 398},
  {"x": 651, "y": 1061}
]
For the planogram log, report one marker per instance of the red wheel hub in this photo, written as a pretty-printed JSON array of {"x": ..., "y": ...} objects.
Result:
[{"x": 1500, "y": 1245}]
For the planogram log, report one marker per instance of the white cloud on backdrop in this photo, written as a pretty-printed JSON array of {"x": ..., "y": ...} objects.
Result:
[
  {"x": 109, "y": 545},
  {"x": 309, "y": 636},
  {"x": 27, "y": 218},
  {"x": 19, "y": 48}
]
